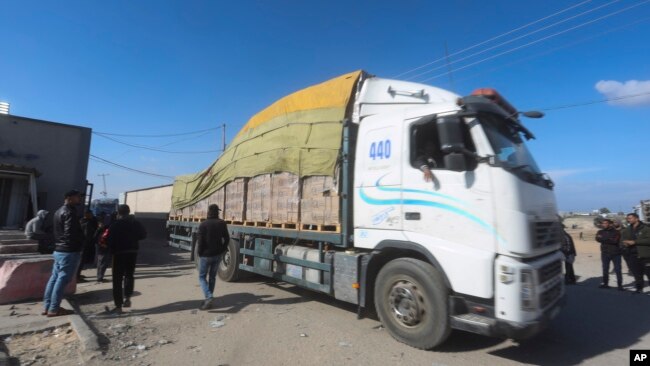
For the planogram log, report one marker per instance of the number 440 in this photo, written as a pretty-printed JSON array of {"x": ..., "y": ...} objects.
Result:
[{"x": 380, "y": 150}]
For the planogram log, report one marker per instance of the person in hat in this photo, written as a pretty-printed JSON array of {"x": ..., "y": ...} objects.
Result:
[
  {"x": 609, "y": 239},
  {"x": 212, "y": 242},
  {"x": 68, "y": 241},
  {"x": 123, "y": 243}
]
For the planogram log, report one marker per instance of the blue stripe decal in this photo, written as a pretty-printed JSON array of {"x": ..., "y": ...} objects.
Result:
[
  {"x": 408, "y": 190},
  {"x": 442, "y": 206}
]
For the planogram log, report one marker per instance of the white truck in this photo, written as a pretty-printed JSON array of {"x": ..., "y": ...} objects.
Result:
[{"x": 471, "y": 246}]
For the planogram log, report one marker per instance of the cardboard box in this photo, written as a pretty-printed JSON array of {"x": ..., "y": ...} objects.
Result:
[
  {"x": 320, "y": 202},
  {"x": 285, "y": 199},
  {"x": 235, "y": 204},
  {"x": 258, "y": 198}
]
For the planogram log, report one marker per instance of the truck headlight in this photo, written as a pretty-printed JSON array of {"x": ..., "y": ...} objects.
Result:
[
  {"x": 527, "y": 290},
  {"x": 506, "y": 274}
]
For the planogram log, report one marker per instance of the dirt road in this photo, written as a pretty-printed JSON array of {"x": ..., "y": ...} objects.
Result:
[{"x": 257, "y": 321}]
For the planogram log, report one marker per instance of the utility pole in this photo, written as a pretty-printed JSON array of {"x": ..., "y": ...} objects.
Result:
[
  {"x": 223, "y": 138},
  {"x": 104, "y": 193}
]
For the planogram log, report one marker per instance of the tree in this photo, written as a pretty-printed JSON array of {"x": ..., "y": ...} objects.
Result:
[{"x": 604, "y": 210}]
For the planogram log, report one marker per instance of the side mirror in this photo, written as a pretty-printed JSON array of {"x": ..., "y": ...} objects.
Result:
[{"x": 450, "y": 133}]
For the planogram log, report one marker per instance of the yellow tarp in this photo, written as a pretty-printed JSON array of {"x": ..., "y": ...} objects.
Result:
[{"x": 300, "y": 134}]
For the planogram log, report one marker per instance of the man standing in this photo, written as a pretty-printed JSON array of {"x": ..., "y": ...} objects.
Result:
[
  {"x": 212, "y": 241},
  {"x": 38, "y": 229},
  {"x": 609, "y": 238},
  {"x": 67, "y": 254},
  {"x": 122, "y": 239},
  {"x": 103, "y": 255},
  {"x": 636, "y": 239},
  {"x": 89, "y": 229},
  {"x": 569, "y": 251}
]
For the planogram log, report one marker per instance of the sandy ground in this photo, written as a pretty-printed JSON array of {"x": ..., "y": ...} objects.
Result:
[
  {"x": 59, "y": 346},
  {"x": 259, "y": 321}
]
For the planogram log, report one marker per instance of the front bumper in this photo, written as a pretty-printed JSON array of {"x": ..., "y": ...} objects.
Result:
[{"x": 507, "y": 329}]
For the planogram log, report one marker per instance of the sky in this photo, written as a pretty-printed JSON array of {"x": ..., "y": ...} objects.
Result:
[{"x": 169, "y": 67}]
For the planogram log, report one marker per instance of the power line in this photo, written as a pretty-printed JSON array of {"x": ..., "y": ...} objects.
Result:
[
  {"x": 102, "y": 160},
  {"x": 155, "y": 148},
  {"x": 515, "y": 39},
  {"x": 538, "y": 40},
  {"x": 573, "y": 105},
  {"x": 546, "y": 52},
  {"x": 167, "y": 135},
  {"x": 493, "y": 38}
]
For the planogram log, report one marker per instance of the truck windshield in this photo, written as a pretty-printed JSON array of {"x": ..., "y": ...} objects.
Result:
[{"x": 509, "y": 148}]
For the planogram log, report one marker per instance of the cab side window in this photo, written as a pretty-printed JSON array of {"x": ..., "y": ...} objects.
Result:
[{"x": 426, "y": 147}]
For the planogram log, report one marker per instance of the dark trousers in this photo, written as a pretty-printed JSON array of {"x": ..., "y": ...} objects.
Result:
[
  {"x": 103, "y": 262},
  {"x": 642, "y": 268},
  {"x": 123, "y": 270},
  {"x": 569, "y": 275},
  {"x": 616, "y": 259},
  {"x": 630, "y": 259}
]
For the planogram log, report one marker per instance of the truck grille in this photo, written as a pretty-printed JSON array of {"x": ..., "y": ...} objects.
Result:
[
  {"x": 550, "y": 295},
  {"x": 546, "y": 233},
  {"x": 549, "y": 271}
]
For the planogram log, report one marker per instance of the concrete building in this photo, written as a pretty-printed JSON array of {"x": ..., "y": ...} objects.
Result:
[
  {"x": 151, "y": 206},
  {"x": 39, "y": 162}
]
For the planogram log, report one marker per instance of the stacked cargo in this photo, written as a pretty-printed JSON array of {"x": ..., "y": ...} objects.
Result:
[
  {"x": 258, "y": 199},
  {"x": 285, "y": 200},
  {"x": 235, "y": 205},
  {"x": 218, "y": 198},
  {"x": 319, "y": 205}
]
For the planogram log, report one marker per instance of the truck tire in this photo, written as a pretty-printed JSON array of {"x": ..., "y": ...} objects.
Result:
[
  {"x": 411, "y": 300},
  {"x": 229, "y": 265}
]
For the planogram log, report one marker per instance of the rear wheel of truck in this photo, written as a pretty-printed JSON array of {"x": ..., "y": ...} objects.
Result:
[
  {"x": 411, "y": 302},
  {"x": 229, "y": 265}
]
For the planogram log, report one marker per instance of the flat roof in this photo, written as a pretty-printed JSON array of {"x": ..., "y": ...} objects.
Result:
[
  {"x": 12, "y": 116},
  {"x": 149, "y": 188}
]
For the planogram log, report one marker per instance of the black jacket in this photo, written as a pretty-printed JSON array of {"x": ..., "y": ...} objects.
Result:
[
  {"x": 67, "y": 230},
  {"x": 213, "y": 237},
  {"x": 124, "y": 235},
  {"x": 609, "y": 240},
  {"x": 89, "y": 229},
  {"x": 568, "y": 248}
]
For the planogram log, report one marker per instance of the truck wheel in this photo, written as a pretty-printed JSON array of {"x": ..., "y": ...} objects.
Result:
[
  {"x": 411, "y": 302},
  {"x": 229, "y": 265}
]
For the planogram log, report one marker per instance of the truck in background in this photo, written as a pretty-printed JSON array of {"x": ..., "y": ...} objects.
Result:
[
  {"x": 105, "y": 206},
  {"x": 474, "y": 249}
]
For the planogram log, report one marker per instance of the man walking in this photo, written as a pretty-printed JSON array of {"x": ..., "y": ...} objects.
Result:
[
  {"x": 609, "y": 238},
  {"x": 636, "y": 240},
  {"x": 212, "y": 241},
  {"x": 67, "y": 254},
  {"x": 123, "y": 237}
]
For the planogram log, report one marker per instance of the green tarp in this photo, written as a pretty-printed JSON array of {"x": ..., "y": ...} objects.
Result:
[{"x": 299, "y": 134}]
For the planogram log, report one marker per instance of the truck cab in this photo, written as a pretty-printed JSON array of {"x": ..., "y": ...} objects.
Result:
[{"x": 450, "y": 179}]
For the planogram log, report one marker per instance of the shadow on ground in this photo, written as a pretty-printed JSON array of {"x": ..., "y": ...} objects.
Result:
[{"x": 594, "y": 321}]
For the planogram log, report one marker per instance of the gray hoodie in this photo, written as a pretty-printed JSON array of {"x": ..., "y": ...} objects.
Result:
[{"x": 35, "y": 228}]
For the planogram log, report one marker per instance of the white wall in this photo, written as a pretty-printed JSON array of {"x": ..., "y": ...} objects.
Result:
[{"x": 144, "y": 202}]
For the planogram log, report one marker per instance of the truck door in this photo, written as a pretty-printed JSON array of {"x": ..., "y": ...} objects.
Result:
[
  {"x": 378, "y": 179},
  {"x": 439, "y": 202}
]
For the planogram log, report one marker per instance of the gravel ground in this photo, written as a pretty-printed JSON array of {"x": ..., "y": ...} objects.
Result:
[
  {"x": 59, "y": 346},
  {"x": 260, "y": 321}
]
